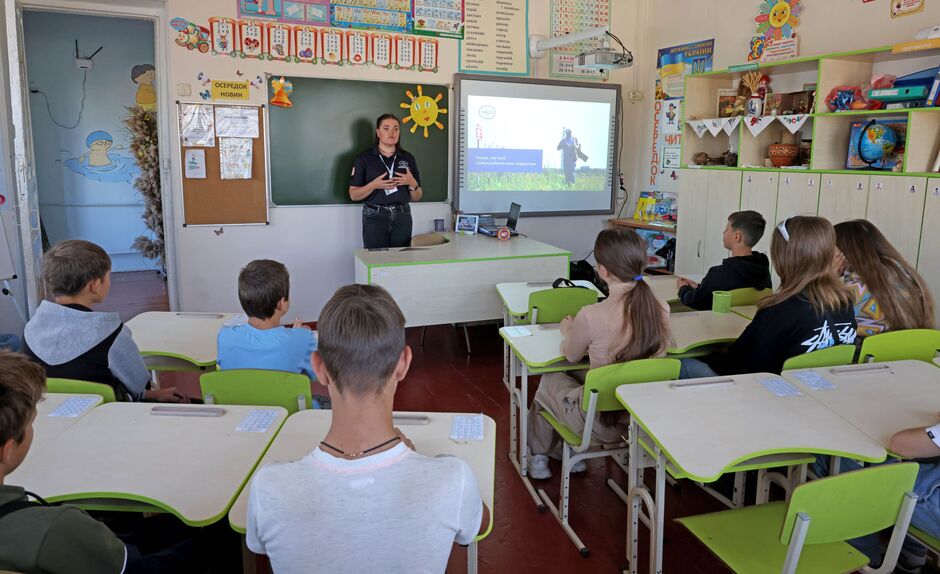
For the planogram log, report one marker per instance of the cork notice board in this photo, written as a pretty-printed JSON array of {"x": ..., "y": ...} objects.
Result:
[{"x": 216, "y": 201}]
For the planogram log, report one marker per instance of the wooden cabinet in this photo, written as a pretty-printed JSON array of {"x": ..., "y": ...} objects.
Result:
[
  {"x": 724, "y": 198},
  {"x": 896, "y": 207},
  {"x": 843, "y": 197},
  {"x": 928, "y": 261},
  {"x": 759, "y": 193},
  {"x": 797, "y": 194},
  {"x": 690, "y": 233},
  {"x": 706, "y": 199}
]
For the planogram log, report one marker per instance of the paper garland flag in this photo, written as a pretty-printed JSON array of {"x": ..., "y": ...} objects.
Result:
[
  {"x": 757, "y": 124},
  {"x": 698, "y": 126},
  {"x": 731, "y": 124},
  {"x": 714, "y": 125},
  {"x": 793, "y": 122}
]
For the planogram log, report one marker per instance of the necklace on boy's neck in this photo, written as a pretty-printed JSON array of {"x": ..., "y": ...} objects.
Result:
[{"x": 358, "y": 454}]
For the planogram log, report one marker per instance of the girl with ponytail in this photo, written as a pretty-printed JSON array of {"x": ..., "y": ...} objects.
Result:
[{"x": 630, "y": 324}]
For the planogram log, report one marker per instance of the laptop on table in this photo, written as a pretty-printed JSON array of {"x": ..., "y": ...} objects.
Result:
[{"x": 488, "y": 227}]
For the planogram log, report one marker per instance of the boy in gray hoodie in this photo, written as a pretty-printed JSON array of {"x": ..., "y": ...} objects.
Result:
[{"x": 73, "y": 342}]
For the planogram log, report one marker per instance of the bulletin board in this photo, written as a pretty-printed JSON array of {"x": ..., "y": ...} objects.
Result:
[{"x": 212, "y": 200}]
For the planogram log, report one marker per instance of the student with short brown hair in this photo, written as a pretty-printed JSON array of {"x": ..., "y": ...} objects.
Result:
[
  {"x": 889, "y": 293},
  {"x": 811, "y": 310},
  {"x": 63, "y": 539},
  {"x": 745, "y": 268},
  {"x": 258, "y": 341},
  {"x": 71, "y": 341},
  {"x": 363, "y": 500},
  {"x": 630, "y": 324}
]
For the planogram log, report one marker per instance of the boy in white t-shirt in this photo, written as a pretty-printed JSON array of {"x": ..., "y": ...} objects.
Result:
[{"x": 363, "y": 500}]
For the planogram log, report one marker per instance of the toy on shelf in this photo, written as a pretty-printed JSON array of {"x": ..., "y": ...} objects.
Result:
[
  {"x": 850, "y": 98},
  {"x": 728, "y": 159}
]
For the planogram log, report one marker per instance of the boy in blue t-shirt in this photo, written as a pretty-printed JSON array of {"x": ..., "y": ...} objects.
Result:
[{"x": 260, "y": 342}]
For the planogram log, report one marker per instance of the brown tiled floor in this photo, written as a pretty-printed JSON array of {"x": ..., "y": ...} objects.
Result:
[
  {"x": 135, "y": 292},
  {"x": 444, "y": 378}
]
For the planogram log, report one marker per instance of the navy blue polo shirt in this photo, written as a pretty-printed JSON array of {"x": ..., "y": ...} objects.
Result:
[{"x": 370, "y": 164}]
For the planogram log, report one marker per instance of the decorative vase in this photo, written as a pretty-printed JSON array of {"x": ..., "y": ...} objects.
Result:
[
  {"x": 782, "y": 154},
  {"x": 755, "y": 105}
]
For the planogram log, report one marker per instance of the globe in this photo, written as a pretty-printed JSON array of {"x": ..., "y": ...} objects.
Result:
[{"x": 877, "y": 141}]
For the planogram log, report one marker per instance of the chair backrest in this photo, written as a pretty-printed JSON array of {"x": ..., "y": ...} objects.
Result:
[
  {"x": 555, "y": 304},
  {"x": 830, "y": 357},
  {"x": 106, "y": 393},
  {"x": 605, "y": 380},
  {"x": 257, "y": 387},
  {"x": 851, "y": 504},
  {"x": 428, "y": 240},
  {"x": 748, "y": 296},
  {"x": 919, "y": 344}
]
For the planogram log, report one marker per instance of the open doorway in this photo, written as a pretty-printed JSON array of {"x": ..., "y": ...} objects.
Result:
[{"x": 87, "y": 74}]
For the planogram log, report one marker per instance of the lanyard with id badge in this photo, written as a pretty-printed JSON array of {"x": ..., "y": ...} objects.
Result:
[{"x": 391, "y": 172}]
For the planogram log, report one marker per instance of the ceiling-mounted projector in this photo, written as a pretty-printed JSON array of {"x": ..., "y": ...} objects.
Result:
[
  {"x": 597, "y": 59},
  {"x": 605, "y": 59}
]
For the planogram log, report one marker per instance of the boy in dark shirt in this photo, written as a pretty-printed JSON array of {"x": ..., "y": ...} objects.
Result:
[{"x": 745, "y": 267}]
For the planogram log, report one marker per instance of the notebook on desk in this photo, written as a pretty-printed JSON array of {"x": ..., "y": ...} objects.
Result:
[{"x": 487, "y": 225}]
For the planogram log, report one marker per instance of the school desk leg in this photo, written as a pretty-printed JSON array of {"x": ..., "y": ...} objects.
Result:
[
  {"x": 472, "y": 558},
  {"x": 656, "y": 534},
  {"x": 154, "y": 380},
  {"x": 520, "y": 455},
  {"x": 634, "y": 482},
  {"x": 507, "y": 321},
  {"x": 513, "y": 415}
]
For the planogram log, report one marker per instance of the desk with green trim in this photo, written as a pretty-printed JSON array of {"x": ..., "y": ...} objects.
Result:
[{"x": 455, "y": 282}]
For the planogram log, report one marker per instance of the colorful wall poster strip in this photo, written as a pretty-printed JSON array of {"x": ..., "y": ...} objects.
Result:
[
  {"x": 310, "y": 12},
  {"x": 577, "y": 16},
  {"x": 362, "y": 18},
  {"x": 442, "y": 18},
  {"x": 495, "y": 41},
  {"x": 307, "y": 44},
  {"x": 672, "y": 65}
]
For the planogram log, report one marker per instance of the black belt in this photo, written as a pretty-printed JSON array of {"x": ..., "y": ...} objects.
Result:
[{"x": 391, "y": 207}]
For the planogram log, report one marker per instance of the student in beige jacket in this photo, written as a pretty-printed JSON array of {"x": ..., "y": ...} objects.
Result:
[{"x": 630, "y": 324}]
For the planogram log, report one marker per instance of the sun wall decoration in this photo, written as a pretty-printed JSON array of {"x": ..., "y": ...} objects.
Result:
[
  {"x": 776, "y": 22},
  {"x": 423, "y": 110}
]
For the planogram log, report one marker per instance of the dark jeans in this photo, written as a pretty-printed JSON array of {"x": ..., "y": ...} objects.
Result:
[
  {"x": 384, "y": 228},
  {"x": 162, "y": 544}
]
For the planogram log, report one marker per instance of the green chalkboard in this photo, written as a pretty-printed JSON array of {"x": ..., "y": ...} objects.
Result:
[{"x": 312, "y": 145}]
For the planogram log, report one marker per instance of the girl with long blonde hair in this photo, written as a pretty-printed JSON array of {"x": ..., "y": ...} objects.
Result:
[{"x": 812, "y": 309}]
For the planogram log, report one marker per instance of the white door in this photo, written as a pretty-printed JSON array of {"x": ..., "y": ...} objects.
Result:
[
  {"x": 690, "y": 232},
  {"x": 843, "y": 197},
  {"x": 798, "y": 194},
  {"x": 24, "y": 173},
  {"x": 928, "y": 261},
  {"x": 896, "y": 207},
  {"x": 759, "y": 193},
  {"x": 724, "y": 198}
]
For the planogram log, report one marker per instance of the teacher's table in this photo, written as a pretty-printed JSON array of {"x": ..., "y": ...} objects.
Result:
[
  {"x": 454, "y": 282},
  {"x": 430, "y": 433},
  {"x": 879, "y": 399},
  {"x": 712, "y": 426},
  {"x": 171, "y": 341},
  {"x": 123, "y": 456}
]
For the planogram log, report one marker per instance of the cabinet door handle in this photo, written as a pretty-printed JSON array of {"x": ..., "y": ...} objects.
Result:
[{"x": 698, "y": 249}]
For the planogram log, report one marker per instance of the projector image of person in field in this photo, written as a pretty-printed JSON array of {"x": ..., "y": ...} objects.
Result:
[{"x": 570, "y": 154}]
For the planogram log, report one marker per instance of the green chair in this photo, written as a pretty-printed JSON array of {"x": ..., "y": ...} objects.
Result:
[
  {"x": 917, "y": 344},
  {"x": 748, "y": 296},
  {"x": 106, "y": 392},
  {"x": 808, "y": 534},
  {"x": 553, "y": 305},
  {"x": 257, "y": 387},
  {"x": 831, "y": 357},
  {"x": 599, "y": 396}
]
